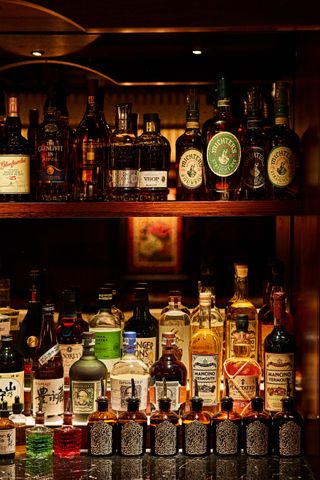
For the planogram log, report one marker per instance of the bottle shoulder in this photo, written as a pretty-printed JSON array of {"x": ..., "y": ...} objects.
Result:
[
  {"x": 104, "y": 319},
  {"x": 279, "y": 341},
  {"x": 108, "y": 417}
]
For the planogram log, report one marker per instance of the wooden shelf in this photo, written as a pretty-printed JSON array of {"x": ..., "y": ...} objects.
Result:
[{"x": 142, "y": 209}]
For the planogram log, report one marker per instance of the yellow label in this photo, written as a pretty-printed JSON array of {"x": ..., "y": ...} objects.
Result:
[
  {"x": 281, "y": 166},
  {"x": 278, "y": 368}
]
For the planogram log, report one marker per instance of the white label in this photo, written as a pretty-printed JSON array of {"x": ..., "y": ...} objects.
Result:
[
  {"x": 278, "y": 368},
  {"x": 5, "y": 327},
  {"x": 182, "y": 338},
  {"x": 70, "y": 354},
  {"x": 7, "y": 441},
  {"x": 11, "y": 385},
  {"x": 190, "y": 168},
  {"x": 84, "y": 395},
  {"x": 14, "y": 174},
  {"x": 205, "y": 371},
  {"x": 49, "y": 354},
  {"x": 153, "y": 179},
  {"x": 121, "y": 390},
  {"x": 51, "y": 390},
  {"x": 124, "y": 178},
  {"x": 146, "y": 350}
]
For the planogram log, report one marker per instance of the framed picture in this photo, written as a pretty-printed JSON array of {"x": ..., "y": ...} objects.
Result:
[{"x": 154, "y": 244}]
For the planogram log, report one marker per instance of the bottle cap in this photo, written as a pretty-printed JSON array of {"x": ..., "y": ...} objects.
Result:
[
  {"x": 168, "y": 339},
  {"x": 242, "y": 322},
  {"x": 205, "y": 299},
  {"x": 150, "y": 117},
  {"x": 241, "y": 270},
  {"x": 140, "y": 293},
  {"x": 129, "y": 342},
  {"x": 17, "y": 406},
  {"x": 105, "y": 293}
]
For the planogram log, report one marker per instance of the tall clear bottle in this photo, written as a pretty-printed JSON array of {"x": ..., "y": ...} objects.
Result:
[{"x": 14, "y": 157}]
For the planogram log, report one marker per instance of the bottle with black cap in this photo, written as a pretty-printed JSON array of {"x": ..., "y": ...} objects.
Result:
[
  {"x": 257, "y": 428},
  {"x": 226, "y": 428},
  {"x": 132, "y": 427},
  {"x": 164, "y": 427},
  {"x": 196, "y": 427},
  {"x": 19, "y": 421},
  {"x": 7, "y": 434},
  {"x": 288, "y": 428},
  {"x": 102, "y": 426}
]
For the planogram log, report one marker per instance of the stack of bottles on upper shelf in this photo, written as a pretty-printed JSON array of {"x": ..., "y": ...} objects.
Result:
[
  {"x": 249, "y": 158},
  {"x": 174, "y": 368}
]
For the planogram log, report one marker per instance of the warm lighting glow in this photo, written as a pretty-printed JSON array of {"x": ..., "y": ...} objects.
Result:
[
  {"x": 37, "y": 53},
  {"x": 197, "y": 52}
]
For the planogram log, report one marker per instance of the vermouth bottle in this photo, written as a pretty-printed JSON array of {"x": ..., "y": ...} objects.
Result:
[
  {"x": 14, "y": 157},
  {"x": 221, "y": 149}
]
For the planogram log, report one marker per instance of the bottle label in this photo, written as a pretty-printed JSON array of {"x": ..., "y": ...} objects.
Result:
[
  {"x": 51, "y": 390},
  {"x": 165, "y": 438},
  {"x": 278, "y": 368},
  {"x": 70, "y": 354},
  {"x": 196, "y": 438},
  {"x": 84, "y": 395},
  {"x": 153, "y": 179},
  {"x": 146, "y": 350},
  {"x": 205, "y": 370},
  {"x": 175, "y": 391},
  {"x": 226, "y": 438},
  {"x": 49, "y": 354},
  {"x": 131, "y": 439},
  {"x": 92, "y": 154},
  {"x": 252, "y": 330},
  {"x": 124, "y": 178},
  {"x": 281, "y": 166},
  {"x": 7, "y": 441},
  {"x": 14, "y": 174},
  {"x": 290, "y": 439},
  {"x": 257, "y": 438},
  {"x": 5, "y": 326},
  {"x": 108, "y": 341},
  {"x": 121, "y": 389},
  {"x": 253, "y": 168},
  {"x": 182, "y": 338},
  {"x": 101, "y": 438},
  {"x": 11, "y": 385},
  {"x": 191, "y": 168},
  {"x": 242, "y": 387},
  {"x": 223, "y": 154}
]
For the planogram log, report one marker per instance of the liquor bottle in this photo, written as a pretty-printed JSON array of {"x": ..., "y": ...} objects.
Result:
[
  {"x": 154, "y": 152},
  {"x": 67, "y": 438},
  {"x": 80, "y": 320},
  {"x": 52, "y": 155},
  {"x": 102, "y": 427},
  {"x": 173, "y": 370},
  {"x": 123, "y": 371},
  {"x": 196, "y": 427},
  {"x": 100, "y": 102},
  {"x": 124, "y": 158},
  {"x": 254, "y": 151},
  {"x": 107, "y": 329},
  {"x": 241, "y": 370},
  {"x": 7, "y": 434},
  {"x": 69, "y": 333},
  {"x": 115, "y": 310},
  {"x": 221, "y": 149},
  {"x": 235, "y": 289},
  {"x": 183, "y": 308},
  {"x": 132, "y": 427},
  {"x": 2, "y": 115},
  {"x": 9, "y": 317},
  {"x": 189, "y": 161},
  {"x": 39, "y": 439},
  {"x": 20, "y": 425},
  {"x": 177, "y": 321},
  {"x": 32, "y": 136},
  {"x": 85, "y": 379},
  {"x": 146, "y": 327},
  {"x": 284, "y": 157},
  {"x": 164, "y": 427},
  {"x": 28, "y": 338},
  {"x": 92, "y": 142},
  {"x": 279, "y": 359},
  {"x": 14, "y": 157},
  {"x": 206, "y": 357},
  {"x": 288, "y": 428},
  {"x": 226, "y": 427},
  {"x": 11, "y": 371},
  {"x": 257, "y": 428},
  {"x": 242, "y": 305}
]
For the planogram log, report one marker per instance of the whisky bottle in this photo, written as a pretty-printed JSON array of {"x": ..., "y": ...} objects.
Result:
[
  {"x": 189, "y": 161},
  {"x": 132, "y": 427},
  {"x": 206, "y": 357},
  {"x": 85, "y": 379},
  {"x": 11, "y": 371},
  {"x": 7, "y": 434},
  {"x": 146, "y": 327},
  {"x": 154, "y": 161},
  {"x": 20, "y": 425},
  {"x": 242, "y": 305},
  {"x": 102, "y": 427},
  {"x": 235, "y": 290},
  {"x": 284, "y": 157},
  {"x": 279, "y": 357},
  {"x": 173, "y": 370},
  {"x": 48, "y": 380},
  {"x": 67, "y": 438},
  {"x": 32, "y": 136},
  {"x": 226, "y": 428},
  {"x": 14, "y": 157},
  {"x": 196, "y": 427},
  {"x": 241, "y": 370},
  {"x": 123, "y": 371},
  {"x": 123, "y": 171},
  {"x": 164, "y": 428},
  {"x": 39, "y": 439},
  {"x": 221, "y": 149}
]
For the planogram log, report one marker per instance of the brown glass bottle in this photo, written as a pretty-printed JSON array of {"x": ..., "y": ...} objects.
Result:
[{"x": 11, "y": 371}]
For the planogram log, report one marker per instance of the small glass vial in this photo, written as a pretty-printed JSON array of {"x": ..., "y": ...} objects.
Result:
[
  {"x": 19, "y": 421},
  {"x": 226, "y": 428},
  {"x": 132, "y": 427},
  {"x": 164, "y": 428},
  {"x": 67, "y": 439},
  {"x": 39, "y": 439},
  {"x": 102, "y": 428},
  {"x": 196, "y": 427},
  {"x": 7, "y": 434}
]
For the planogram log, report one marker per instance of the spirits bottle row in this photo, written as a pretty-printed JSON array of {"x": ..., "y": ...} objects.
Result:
[{"x": 228, "y": 159}]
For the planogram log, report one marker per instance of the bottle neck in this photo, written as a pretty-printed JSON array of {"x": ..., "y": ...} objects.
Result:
[
  {"x": 192, "y": 120},
  {"x": 223, "y": 104},
  {"x": 89, "y": 351},
  {"x": 205, "y": 316},
  {"x": 279, "y": 311},
  {"x": 34, "y": 295},
  {"x": 242, "y": 288},
  {"x": 47, "y": 337},
  {"x": 92, "y": 105},
  {"x": 241, "y": 346},
  {"x": 151, "y": 127}
]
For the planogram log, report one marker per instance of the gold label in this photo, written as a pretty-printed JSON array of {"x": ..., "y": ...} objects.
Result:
[
  {"x": 281, "y": 166},
  {"x": 278, "y": 368},
  {"x": 190, "y": 168},
  {"x": 32, "y": 341}
]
